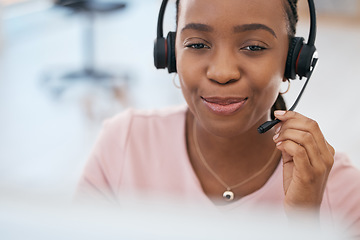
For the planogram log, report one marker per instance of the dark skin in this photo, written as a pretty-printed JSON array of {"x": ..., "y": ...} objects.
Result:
[{"x": 238, "y": 49}]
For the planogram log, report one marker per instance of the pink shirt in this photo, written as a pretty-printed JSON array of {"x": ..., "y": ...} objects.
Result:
[{"x": 145, "y": 151}]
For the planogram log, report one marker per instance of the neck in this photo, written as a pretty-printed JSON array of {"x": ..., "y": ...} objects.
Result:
[
  {"x": 243, "y": 162},
  {"x": 247, "y": 150}
]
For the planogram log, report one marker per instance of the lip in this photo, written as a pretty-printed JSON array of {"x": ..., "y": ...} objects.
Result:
[{"x": 223, "y": 105}]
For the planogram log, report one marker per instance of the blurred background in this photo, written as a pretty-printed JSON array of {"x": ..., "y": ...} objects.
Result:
[{"x": 65, "y": 66}]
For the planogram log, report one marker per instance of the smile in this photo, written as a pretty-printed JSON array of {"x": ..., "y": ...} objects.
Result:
[{"x": 224, "y": 106}]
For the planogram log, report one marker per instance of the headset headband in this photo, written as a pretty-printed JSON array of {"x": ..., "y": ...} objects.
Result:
[
  {"x": 312, "y": 32},
  {"x": 160, "y": 32}
]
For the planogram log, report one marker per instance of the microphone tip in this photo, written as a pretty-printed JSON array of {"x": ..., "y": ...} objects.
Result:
[
  {"x": 261, "y": 129},
  {"x": 267, "y": 126}
]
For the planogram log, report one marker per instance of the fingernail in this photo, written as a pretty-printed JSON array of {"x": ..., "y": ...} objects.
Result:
[
  {"x": 276, "y": 136},
  {"x": 279, "y": 113},
  {"x": 277, "y": 130},
  {"x": 278, "y": 144}
]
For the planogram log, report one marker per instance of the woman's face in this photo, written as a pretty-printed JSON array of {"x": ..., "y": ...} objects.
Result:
[{"x": 231, "y": 58}]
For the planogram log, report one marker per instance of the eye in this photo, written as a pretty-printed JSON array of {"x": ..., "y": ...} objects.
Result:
[
  {"x": 197, "y": 46},
  {"x": 254, "y": 48}
]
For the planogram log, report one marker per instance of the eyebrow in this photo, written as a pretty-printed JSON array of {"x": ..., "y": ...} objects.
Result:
[
  {"x": 252, "y": 27},
  {"x": 237, "y": 29},
  {"x": 198, "y": 26}
]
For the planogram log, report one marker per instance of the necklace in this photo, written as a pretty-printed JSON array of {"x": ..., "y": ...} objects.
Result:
[{"x": 228, "y": 194}]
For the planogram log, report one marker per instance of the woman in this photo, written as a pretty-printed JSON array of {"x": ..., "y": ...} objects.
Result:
[{"x": 230, "y": 61}]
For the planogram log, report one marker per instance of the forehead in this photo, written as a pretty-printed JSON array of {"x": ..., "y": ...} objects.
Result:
[{"x": 223, "y": 14}]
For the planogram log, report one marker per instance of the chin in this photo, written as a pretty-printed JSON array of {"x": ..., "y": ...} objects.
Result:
[{"x": 229, "y": 128}]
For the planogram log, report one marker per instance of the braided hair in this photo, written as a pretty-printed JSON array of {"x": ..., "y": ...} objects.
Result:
[{"x": 290, "y": 7}]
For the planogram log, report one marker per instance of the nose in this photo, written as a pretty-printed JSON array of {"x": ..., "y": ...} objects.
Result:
[{"x": 223, "y": 68}]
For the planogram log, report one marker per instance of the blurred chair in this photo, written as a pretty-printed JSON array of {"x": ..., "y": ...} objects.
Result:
[{"x": 88, "y": 9}]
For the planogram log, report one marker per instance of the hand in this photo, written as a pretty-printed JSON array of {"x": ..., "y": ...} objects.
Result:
[{"x": 307, "y": 161}]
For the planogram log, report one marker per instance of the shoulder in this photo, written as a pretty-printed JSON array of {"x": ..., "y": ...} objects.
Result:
[
  {"x": 344, "y": 177},
  {"x": 139, "y": 120},
  {"x": 343, "y": 191},
  {"x": 131, "y": 123},
  {"x": 131, "y": 116},
  {"x": 344, "y": 180},
  {"x": 131, "y": 134},
  {"x": 343, "y": 170}
]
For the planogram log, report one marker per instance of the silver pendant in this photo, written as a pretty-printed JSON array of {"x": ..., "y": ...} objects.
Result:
[{"x": 228, "y": 195}]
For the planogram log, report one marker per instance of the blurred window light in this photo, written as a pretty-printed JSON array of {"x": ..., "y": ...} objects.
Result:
[
  {"x": 10, "y": 2},
  {"x": 349, "y": 7},
  {"x": 20, "y": 8}
]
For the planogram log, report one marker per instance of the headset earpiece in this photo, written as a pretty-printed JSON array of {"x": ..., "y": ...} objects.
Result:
[
  {"x": 307, "y": 60},
  {"x": 160, "y": 52},
  {"x": 295, "y": 46},
  {"x": 164, "y": 52},
  {"x": 300, "y": 58},
  {"x": 171, "y": 59}
]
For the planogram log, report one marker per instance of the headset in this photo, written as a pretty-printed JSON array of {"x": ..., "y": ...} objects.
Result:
[{"x": 301, "y": 60}]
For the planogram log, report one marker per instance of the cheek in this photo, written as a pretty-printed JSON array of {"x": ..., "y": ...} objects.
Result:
[
  {"x": 188, "y": 85},
  {"x": 265, "y": 82},
  {"x": 189, "y": 74},
  {"x": 265, "y": 76},
  {"x": 192, "y": 75}
]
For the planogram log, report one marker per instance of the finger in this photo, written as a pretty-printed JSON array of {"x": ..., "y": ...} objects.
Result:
[
  {"x": 297, "y": 121},
  {"x": 306, "y": 140},
  {"x": 311, "y": 127},
  {"x": 330, "y": 160},
  {"x": 278, "y": 127},
  {"x": 325, "y": 150},
  {"x": 331, "y": 149},
  {"x": 298, "y": 155},
  {"x": 284, "y": 115}
]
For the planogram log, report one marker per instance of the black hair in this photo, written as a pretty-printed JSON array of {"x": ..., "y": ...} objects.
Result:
[{"x": 291, "y": 11}]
